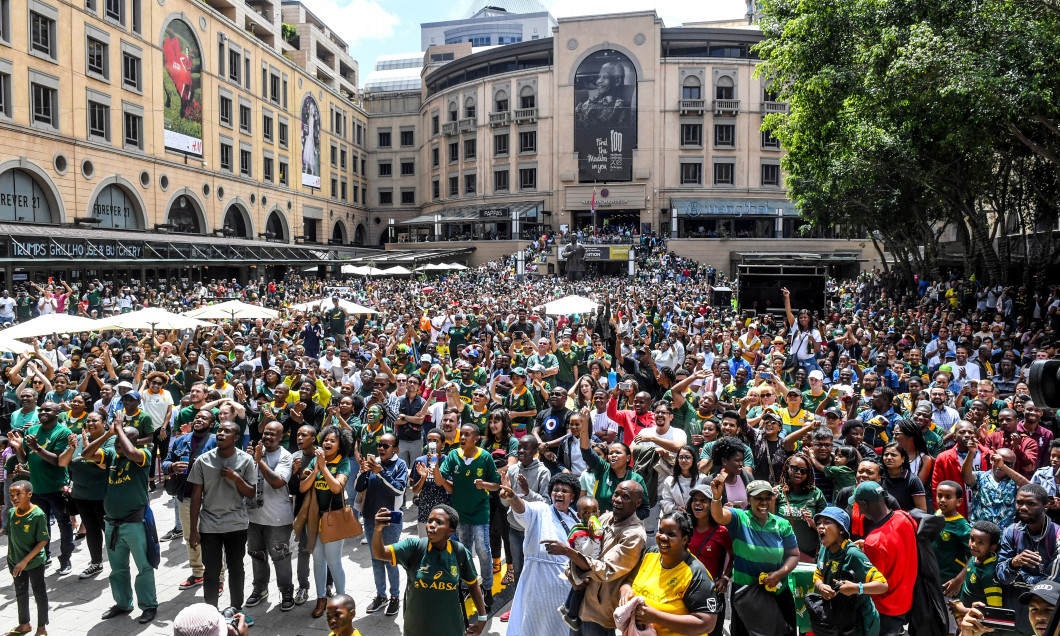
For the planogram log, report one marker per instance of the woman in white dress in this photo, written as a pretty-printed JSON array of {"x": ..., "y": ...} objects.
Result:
[{"x": 542, "y": 587}]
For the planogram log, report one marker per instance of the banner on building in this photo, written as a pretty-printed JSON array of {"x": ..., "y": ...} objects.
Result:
[
  {"x": 605, "y": 117},
  {"x": 310, "y": 142},
  {"x": 182, "y": 88}
]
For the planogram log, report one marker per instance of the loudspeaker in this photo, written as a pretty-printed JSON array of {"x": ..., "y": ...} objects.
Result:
[{"x": 1044, "y": 381}]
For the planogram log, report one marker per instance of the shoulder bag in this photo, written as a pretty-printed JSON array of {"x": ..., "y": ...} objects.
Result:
[{"x": 336, "y": 525}]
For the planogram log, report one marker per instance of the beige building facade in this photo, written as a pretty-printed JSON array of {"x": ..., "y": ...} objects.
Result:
[{"x": 127, "y": 125}]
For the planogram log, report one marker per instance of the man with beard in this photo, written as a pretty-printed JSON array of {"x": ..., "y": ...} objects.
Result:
[
  {"x": 182, "y": 454},
  {"x": 1028, "y": 551},
  {"x": 949, "y": 462},
  {"x": 1009, "y": 436},
  {"x": 271, "y": 519},
  {"x": 942, "y": 416},
  {"x": 1032, "y": 428}
]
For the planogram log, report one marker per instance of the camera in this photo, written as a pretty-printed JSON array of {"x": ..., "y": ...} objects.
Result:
[{"x": 1044, "y": 380}]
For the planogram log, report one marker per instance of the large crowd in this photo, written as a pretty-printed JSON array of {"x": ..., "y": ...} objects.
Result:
[{"x": 659, "y": 463}]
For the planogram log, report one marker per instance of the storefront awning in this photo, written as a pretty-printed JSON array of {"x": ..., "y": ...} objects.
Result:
[
  {"x": 485, "y": 213},
  {"x": 47, "y": 243}
]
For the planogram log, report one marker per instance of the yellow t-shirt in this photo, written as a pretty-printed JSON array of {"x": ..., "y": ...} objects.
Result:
[{"x": 684, "y": 589}]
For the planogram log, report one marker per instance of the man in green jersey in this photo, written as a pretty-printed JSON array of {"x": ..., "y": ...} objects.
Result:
[{"x": 336, "y": 319}]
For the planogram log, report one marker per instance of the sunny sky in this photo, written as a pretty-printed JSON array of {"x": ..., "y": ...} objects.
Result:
[{"x": 376, "y": 27}]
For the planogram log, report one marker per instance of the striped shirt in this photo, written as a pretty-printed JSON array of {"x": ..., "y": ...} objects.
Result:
[{"x": 758, "y": 547}]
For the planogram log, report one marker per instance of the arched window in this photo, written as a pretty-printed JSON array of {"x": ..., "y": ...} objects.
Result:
[
  {"x": 454, "y": 111},
  {"x": 724, "y": 88},
  {"x": 501, "y": 102},
  {"x": 276, "y": 227},
  {"x": 469, "y": 108},
  {"x": 358, "y": 235},
  {"x": 527, "y": 97},
  {"x": 115, "y": 207},
  {"x": 237, "y": 222},
  {"x": 184, "y": 217},
  {"x": 22, "y": 199},
  {"x": 691, "y": 88},
  {"x": 338, "y": 233}
]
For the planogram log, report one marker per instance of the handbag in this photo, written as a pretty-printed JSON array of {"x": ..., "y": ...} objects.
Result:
[{"x": 336, "y": 525}]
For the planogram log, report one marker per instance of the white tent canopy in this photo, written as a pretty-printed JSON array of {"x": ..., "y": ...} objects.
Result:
[
  {"x": 155, "y": 318},
  {"x": 570, "y": 305},
  {"x": 232, "y": 310},
  {"x": 8, "y": 345},
  {"x": 324, "y": 304},
  {"x": 397, "y": 271},
  {"x": 49, "y": 324}
]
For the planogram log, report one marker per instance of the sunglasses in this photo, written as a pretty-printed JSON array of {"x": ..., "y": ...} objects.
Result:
[
  {"x": 798, "y": 470},
  {"x": 384, "y": 446}
]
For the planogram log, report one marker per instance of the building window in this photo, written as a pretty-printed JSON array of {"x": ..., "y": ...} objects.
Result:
[
  {"x": 386, "y": 197},
  {"x": 244, "y": 162},
  {"x": 274, "y": 88},
  {"x": 42, "y": 36},
  {"x": 5, "y": 21},
  {"x": 527, "y": 99},
  {"x": 691, "y": 89},
  {"x": 343, "y": 189},
  {"x": 691, "y": 173},
  {"x": 408, "y": 168},
  {"x": 691, "y": 134},
  {"x": 5, "y": 95},
  {"x": 133, "y": 130},
  {"x": 724, "y": 136},
  {"x": 453, "y": 113},
  {"x": 45, "y": 106},
  {"x": 502, "y": 102},
  {"x": 355, "y": 197},
  {"x": 266, "y": 169},
  {"x": 500, "y": 181},
  {"x": 114, "y": 10},
  {"x": 528, "y": 178},
  {"x": 454, "y": 186},
  {"x": 342, "y": 158},
  {"x": 408, "y": 197},
  {"x": 770, "y": 174},
  {"x": 266, "y": 127},
  {"x": 97, "y": 59},
  {"x": 454, "y": 152},
  {"x": 500, "y": 145},
  {"x": 435, "y": 125},
  {"x": 137, "y": 17},
  {"x": 470, "y": 149},
  {"x": 226, "y": 111},
  {"x": 386, "y": 169},
  {"x": 436, "y": 189},
  {"x": 528, "y": 141},
  {"x": 334, "y": 187},
  {"x": 235, "y": 66},
  {"x": 723, "y": 173},
  {"x": 221, "y": 57},
  {"x": 130, "y": 71},
  {"x": 435, "y": 157},
  {"x": 334, "y": 156},
  {"x": 226, "y": 156},
  {"x": 283, "y": 172},
  {"x": 244, "y": 118},
  {"x": 469, "y": 109},
  {"x": 384, "y": 139},
  {"x": 769, "y": 141},
  {"x": 98, "y": 121},
  {"x": 470, "y": 184},
  {"x": 724, "y": 89},
  {"x": 354, "y": 163},
  {"x": 407, "y": 138}
]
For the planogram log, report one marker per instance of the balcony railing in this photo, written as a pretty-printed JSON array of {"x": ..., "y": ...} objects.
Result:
[
  {"x": 466, "y": 124},
  {"x": 525, "y": 114},
  {"x": 449, "y": 128},
  {"x": 693, "y": 105},
  {"x": 775, "y": 107},
  {"x": 500, "y": 119},
  {"x": 726, "y": 106}
]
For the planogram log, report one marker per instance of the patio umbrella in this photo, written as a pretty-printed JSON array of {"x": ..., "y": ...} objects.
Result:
[
  {"x": 155, "y": 318},
  {"x": 570, "y": 305},
  {"x": 232, "y": 310},
  {"x": 353, "y": 269},
  {"x": 430, "y": 267},
  {"x": 325, "y": 303},
  {"x": 456, "y": 266},
  {"x": 49, "y": 324},
  {"x": 397, "y": 271},
  {"x": 8, "y": 345}
]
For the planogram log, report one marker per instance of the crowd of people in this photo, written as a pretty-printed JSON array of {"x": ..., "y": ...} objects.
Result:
[{"x": 657, "y": 463}]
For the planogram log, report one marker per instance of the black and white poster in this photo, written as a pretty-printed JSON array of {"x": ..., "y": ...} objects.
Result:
[{"x": 605, "y": 117}]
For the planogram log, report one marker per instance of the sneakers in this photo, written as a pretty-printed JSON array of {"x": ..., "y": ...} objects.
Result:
[
  {"x": 364, "y": 540},
  {"x": 175, "y": 533},
  {"x": 331, "y": 590},
  {"x": 378, "y": 603},
  {"x": 301, "y": 596},
  {"x": 505, "y": 616},
  {"x": 190, "y": 582},
  {"x": 65, "y": 569},
  {"x": 392, "y": 606},
  {"x": 487, "y": 596},
  {"x": 92, "y": 570},
  {"x": 287, "y": 604},
  {"x": 256, "y": 597},
  {"x": 572, "y": 621}
]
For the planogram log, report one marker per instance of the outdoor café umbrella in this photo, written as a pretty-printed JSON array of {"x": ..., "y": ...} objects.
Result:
[
  {"x": 49, "y": 324},
  {"x": 325, "y": 303},
  {"x": 155, "y": 318},
  {"x": 570, "y": 305},
  {"x": 397, "y": 271},
  {"x": 8, "y": 345},
  {"x": 232, "y": 310}
]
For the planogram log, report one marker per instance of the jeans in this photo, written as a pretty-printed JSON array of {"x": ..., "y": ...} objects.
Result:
[
  {"x": 91, "y": 511},
  {"x": 499, "y": 528},
  {"x": 230, "y": 547},
  {"x": 270, "y": 542},
  {"x": 304, "y": 558},
  {"x": 176, "y": 515},
  {"x": 52, "y": 505},
  {"x": 574, "y": 602},
  {"x": 328, "y": 557},
  {"x": 515, "y": 540},
  {"x": 810, "y": 365},
  {"x": 477, "y": 540},
  {"x": 130, "y": 543},
  {"x": 382, "y": 570},
  {"x": 592, "y": 629},
  {"x": 34, "y": 577}
]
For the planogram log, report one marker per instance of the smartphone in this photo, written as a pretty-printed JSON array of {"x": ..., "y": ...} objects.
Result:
[
  {"x": 998, "y": 617},
  {"x": 766, "y": 375},
  {"x": 395, "y": 517},
  {"x": 438, "y": 395},
  {"x": 624, "y": 386}
]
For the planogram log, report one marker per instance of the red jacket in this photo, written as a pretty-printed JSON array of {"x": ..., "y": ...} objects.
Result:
[
  {"x": 1026, "y": 450},
  {"x": 629, "y": 421},
  {"x": 948, "y": 466}
]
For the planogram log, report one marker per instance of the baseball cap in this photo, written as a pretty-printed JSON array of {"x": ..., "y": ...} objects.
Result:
[
  {"x": 355, "y": 340},
  {"x": 702, "y": 489},
  {"x": 132, "y": 394},
  {"x": 199, "y": 619},
  {"x": 426, "y": 358},
  {"x": 518, "y": 371},
  {"x": 1048, "y": 591},
  {"x": 816, "y": 374},
  {"x": 833, "y": 412},
  {"x": 837, "y": 515},
  {"x": 867, "y": 492},
  {"x": 794, "y": 390},
  {"x": 538, "y": 367},
  {"x": 125, "y": 385},
  {"x": 759, "y": 486}
]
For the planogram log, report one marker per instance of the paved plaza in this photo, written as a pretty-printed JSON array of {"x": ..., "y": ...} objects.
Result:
[{"x": 76, "y": 605}]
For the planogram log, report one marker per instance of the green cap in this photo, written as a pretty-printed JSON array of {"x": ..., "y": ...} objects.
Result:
[
  {"x": 759, "y": 486},
  {"x": 867, "y": 492}
]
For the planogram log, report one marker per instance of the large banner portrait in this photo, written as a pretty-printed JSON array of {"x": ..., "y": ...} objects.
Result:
[
  {"x": 310, "y": 142},
  {"x": 182, "y": 88},
  {"x": 605, "y": 117}
]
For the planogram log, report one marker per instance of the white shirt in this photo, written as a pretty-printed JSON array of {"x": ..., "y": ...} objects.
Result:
[
  {"x": 7, "y": 307},
  {"x": 47, "y": 305},
  {"x": 156, "y": 405},
  {"x": 971, "y": 372}
]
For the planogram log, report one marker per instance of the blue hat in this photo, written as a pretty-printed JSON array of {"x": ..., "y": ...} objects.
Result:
[
  {"x": 132, "y": 394},
  {"x": 837, "y": 515}
]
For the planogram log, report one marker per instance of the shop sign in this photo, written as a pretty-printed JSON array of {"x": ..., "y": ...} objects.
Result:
[
  {"x": 494, "y": 213},
  {"x": 60, "y": 248},
  {"x": 695, "y": 208},
  {"x": 605, "y": 253}
]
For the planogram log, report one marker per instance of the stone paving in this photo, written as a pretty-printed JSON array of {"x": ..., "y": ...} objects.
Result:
[{"x": 76, "y": 605}]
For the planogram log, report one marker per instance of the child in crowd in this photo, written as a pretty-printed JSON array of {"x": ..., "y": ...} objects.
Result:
[
  {"x": 951, "y": 545},
  {"x": 980, "y": 575},
  {"x": 586, "y": 537},
  {"x": 341, "y": 612},
  {"x": 27, "y": 537},
  {"x": 841, "y": 472},
  {"x": 853, "y": 434}
]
